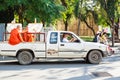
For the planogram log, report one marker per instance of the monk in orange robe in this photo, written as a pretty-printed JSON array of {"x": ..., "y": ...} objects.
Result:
[
  {"x": 15, "y": 36},
  {"x": 27, "y": 37}
]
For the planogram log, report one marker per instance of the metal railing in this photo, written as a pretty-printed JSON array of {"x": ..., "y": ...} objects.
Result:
[{"x": 39, "y": 36}]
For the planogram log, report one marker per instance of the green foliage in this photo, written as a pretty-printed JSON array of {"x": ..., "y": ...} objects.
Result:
[
  {"x": 69, "y": 7},
  {"x": 76, "y": 10},
  {"x": 46, "y": 11},
  {"x": 111, "y": 8},
  {"x": 6, "y": 16},
  {"x": 4, "y": 4},
  {"x": 49, "y": 11},
  {"x": 101, "y": 20},
  {"x": 69, "y": 10},
  {"x": 107, "y": 11},
  {"x": 84, "y": 9},
  {"x": 87, "y": 38}
]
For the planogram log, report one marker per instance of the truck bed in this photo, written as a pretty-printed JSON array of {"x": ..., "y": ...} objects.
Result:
[{"x": 11, "y": 50}]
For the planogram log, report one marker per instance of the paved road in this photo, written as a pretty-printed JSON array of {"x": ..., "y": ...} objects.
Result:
[{"x": 108, "y": 69}]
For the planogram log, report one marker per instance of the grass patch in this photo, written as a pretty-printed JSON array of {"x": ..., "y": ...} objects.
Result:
[{"x": 87, "y": 38}]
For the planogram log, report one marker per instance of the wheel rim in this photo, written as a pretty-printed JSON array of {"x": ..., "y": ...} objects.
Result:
[
  {"x": 25, "y": 58},
  {"x": 95, "y": 57}
]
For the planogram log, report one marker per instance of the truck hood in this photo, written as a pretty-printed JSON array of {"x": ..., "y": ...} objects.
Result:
[{"x": 93, "y": 45}]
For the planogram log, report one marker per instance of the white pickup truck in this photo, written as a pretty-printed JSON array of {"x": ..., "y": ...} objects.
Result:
[{"x": 52, "y": 47}]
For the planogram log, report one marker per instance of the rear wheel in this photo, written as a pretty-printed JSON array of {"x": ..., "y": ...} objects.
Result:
[
  {"x": 25, "y": 57},
  {"x": 94, "y": 57}
]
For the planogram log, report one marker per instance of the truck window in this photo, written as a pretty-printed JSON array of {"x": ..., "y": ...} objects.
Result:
[
  {"x": 53, "y": 37},
  {"x": 67, "y": 37}
]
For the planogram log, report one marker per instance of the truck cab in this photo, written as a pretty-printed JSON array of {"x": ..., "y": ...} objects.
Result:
[{"x": 64, "y": 49}]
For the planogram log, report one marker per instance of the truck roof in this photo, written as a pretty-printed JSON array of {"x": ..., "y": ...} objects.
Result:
[{"x": 62, "y": 31}]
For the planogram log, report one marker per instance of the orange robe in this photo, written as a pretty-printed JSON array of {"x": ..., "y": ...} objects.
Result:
[
  {"x": 27, "y": 37},
  {"x": 14, "y": 37}
]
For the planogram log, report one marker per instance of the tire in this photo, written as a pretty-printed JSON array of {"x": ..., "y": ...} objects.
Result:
[
  {"x": 94, "y": 57},
  {"x": 25, "y": 57}
]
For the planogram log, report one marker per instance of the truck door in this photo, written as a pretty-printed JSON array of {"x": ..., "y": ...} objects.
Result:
[
  {"x": 52, "y": 45},
  {"x": 72, "y": 48}
]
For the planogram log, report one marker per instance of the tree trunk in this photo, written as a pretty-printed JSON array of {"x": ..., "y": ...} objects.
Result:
[
  {"x": 66, "y": 25},
  {"x": 43, "y": 22},
  {"x": 20, "y": 13},
  {"x": 113, "y": 29},
  {"x": 78, "y": 30},
  {"x": 113, "y": 37},
  {"x": 90, "y": 27}
]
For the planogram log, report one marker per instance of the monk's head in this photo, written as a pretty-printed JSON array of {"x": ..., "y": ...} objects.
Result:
[{"x": 18, "y": 27}]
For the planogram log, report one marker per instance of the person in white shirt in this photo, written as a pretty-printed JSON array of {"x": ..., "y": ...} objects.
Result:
[{"x": 65, "y": 38}]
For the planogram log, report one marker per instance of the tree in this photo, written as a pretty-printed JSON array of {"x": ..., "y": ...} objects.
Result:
[
  {"x": 6, "y": 12},
  {"x": 83, "y": 10},
  {"x": 67, "y": 14},
  {"x": 109, "y": 7},
  {"x": 6, "y": 16},
  {"x": 46, "y": 11},
  {"x": 15, "y": 7}
]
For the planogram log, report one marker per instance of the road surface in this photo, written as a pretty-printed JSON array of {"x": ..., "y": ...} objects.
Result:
[{"x": 108, "y": 69}]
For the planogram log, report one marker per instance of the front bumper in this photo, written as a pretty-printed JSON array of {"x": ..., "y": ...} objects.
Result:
[
  {"x": 108, "y": 53},
  {"x": 105, "y": 54}
]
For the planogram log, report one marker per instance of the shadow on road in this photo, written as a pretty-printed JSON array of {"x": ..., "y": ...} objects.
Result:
[
  {"x": 15, "y": 62},
  {"x": 14, "y": 65}
]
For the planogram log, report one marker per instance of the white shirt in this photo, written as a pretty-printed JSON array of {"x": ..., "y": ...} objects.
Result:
[{"x": 65, "y": 40}]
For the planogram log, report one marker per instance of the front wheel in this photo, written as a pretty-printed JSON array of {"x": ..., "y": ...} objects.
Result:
[
  {"x": 25, "y": 57},
  {"x": 94, "y": 57}
]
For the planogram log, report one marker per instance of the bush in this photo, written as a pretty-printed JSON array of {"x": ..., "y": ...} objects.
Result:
[{"x": 87, "y": 38}]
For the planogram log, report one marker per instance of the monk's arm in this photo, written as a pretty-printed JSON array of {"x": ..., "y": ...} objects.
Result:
[{"x": 21, "y": 39}]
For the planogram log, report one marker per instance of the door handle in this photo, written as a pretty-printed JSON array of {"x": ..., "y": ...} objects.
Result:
[{"x": 61, "y": 44}]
